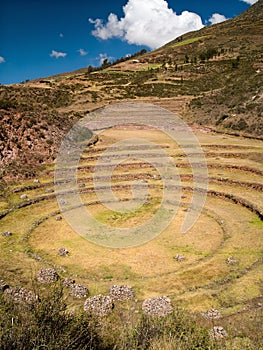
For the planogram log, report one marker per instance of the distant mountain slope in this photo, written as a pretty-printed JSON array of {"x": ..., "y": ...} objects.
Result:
[{"x": 224, "y": 63}]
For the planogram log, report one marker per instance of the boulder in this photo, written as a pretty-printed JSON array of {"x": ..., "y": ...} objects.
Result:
[
  {"x": 23, "y": 196},
  {"x": 231, "y": 261},
  {"x": 179, "y": 257},
  {"x": 63, "y": 252},
  {"x": 6, "y": 234}
]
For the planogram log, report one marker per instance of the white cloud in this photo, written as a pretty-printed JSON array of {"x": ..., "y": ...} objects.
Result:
[
  {"x": 250, "y": 2},
  {"x": 82, "y": 52},
  {"x": 217, "y": 18},
  {"x": 57, "y": 54},
  {"x": 147, "y": 22},
  {"x": 104, "y": 56},
  {"x": 2, "y": 60}
]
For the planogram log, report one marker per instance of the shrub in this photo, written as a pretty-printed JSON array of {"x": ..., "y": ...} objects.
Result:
[
  {"x": 7, "y": 104},
  {"x": 45, "y": 324},
  {"x": 177, "y": 329}
]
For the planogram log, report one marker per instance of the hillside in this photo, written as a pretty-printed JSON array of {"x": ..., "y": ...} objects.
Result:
[
  {"x": 221, "y": 65},
  {"x": 213, "y": 77}
]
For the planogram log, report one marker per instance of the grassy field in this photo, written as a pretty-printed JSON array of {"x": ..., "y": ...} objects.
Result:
[
  {"x": 230, "y": 225},
  {"x": 224, "y": 228}
]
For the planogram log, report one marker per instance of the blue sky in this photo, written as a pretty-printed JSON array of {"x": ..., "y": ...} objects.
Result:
[{"x": 39, "y": 38}]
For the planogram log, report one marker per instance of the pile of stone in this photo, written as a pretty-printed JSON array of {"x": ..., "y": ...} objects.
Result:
[
  {"x": 21, "y": 295},
  {"x": 179, "y": 257},
  {"x": 231, "y": 261},
  {"x": 159, "y": 306},
  {"x": 99, "y": 305},
  {"x": 218, "y": 332},
  {"x": 47, "y": 275},
  {"x": 6, "y": 234},
  {"x": 78, "y": 291},
  {"x": 67, "y": 282},
  {"x": 63, "y": 252},
  {"x": 213, "y": 314},
  {"x": 121, "y": 292}
]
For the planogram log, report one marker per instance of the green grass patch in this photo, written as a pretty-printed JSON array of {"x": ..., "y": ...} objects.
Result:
[
  {"x": 257, "y": 222},
  {"x": 119, "y": 218},
  {"x": 188, "y": 41}
]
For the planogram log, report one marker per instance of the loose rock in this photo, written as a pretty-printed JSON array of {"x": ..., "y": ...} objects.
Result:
[
  {"x": 121, "y": 292},
  {"x": 218, "y": 332},
  {"x": 78, "y": 291},
  {"x": 213, "y": 314},
  {"x": 47, "y": 275},
  {"x": 36, "y": 181},
  {"x": 99, "y": 305},
  {"x": 23, "y": 196},
  {"x": 3, "y": 285},
  {"x": 59, "y": 217},
  {"x": 231, "y": 261},
  {"x": 6, "y": 234},
  {"x": 49, "y": 190},
  {"x": 63, "y": 252},
  {"x": 179, "y": 257},
  {"x": 159, "y": 306}
]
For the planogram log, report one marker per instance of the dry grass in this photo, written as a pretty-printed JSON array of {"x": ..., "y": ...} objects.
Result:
[{"x": 200, "y": 282}]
